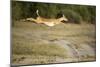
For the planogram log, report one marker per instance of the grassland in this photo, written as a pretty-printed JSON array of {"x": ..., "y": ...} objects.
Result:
[{"x": 39, "y": 44}]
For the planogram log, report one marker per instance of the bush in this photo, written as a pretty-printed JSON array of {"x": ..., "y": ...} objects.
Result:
[
  {"x": 75, "y": 13},
  {"x": 84, "y": 12},
  {"x": 72, "y": 16}
]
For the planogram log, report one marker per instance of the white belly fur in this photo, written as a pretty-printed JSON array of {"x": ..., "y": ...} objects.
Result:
[{"x": 49, "y": 23}]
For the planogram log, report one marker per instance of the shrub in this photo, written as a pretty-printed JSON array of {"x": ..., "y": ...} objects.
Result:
[
  {"x": 75, "y": 13},
  {"x": 72, "y": 16}
]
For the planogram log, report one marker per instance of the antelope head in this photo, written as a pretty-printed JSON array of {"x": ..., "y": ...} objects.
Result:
[{"x": 63, "y": 18}]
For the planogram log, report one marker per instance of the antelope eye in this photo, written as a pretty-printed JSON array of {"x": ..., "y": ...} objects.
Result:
[{"x": 64, "y": 21}]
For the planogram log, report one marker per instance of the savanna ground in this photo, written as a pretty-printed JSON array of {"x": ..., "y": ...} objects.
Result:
[{"x": 39, "y": 44}]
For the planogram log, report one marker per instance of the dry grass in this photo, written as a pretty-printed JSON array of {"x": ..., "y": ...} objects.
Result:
[{"x": 30, "y": 40}]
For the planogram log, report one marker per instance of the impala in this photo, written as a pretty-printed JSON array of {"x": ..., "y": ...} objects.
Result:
[{"x": 46, "y": 21}]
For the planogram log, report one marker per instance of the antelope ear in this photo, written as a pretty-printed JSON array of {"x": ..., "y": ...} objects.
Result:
[
  {"x": 37, "y": 11},
  {"x": 63, "y": 15}
]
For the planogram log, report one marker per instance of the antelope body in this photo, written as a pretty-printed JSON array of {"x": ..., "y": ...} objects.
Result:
[{"x": 46, "y": 21}]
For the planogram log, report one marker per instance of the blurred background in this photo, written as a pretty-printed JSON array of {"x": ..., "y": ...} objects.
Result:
[{"x": 75, "y": 13}]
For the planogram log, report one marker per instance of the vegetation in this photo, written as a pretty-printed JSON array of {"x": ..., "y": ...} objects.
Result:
[
  {"x": 39, "y": 44},
  {"x": 75, "y": 13}
]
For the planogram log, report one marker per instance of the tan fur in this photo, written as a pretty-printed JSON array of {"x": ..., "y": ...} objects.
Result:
[{"x": 48, "y": 22}]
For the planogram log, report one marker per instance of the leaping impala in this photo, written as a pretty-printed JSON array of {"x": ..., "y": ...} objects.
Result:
[{"x": 46, "y": 21}]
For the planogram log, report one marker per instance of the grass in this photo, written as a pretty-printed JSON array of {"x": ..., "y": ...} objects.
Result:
[
  {"x": 30, "y": 41},
  {"x": 38, "y": 49}
]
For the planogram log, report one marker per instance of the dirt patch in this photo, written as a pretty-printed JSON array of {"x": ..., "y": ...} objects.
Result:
[{"x": 40, "y": 44}]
